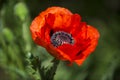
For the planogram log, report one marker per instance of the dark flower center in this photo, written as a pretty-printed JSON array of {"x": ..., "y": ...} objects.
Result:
[{"x": 59, "y": 38}]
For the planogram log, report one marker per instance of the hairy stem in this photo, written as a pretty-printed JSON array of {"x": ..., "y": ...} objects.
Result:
[{"x": 50, "y": 73}]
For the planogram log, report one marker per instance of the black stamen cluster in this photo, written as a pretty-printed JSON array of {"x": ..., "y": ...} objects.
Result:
[{"x": 59, "y": 38}]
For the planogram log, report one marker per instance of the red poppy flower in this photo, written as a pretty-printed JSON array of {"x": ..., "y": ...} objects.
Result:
[{"x": 64, "y": 35}]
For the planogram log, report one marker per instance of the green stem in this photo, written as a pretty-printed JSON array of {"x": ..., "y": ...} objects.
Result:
[{"x": 50, "y": 73}]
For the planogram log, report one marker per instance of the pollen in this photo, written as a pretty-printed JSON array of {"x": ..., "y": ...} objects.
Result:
[{"x": 59, "y": 38}]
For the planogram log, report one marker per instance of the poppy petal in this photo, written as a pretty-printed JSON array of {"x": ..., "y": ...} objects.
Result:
[
  {"x": 93, "y": 35},
  {"x": 57, "y": 19},
  {"x": 61, "y": 16},
  {"x": 75, "y": 24},
  {"x": 57, "y": 53}
]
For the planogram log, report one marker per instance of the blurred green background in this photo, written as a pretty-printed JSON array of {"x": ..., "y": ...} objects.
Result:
[{"x": 16, "y": 44}]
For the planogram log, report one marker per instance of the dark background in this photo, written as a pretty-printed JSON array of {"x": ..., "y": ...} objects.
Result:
[{"x": 16, "y": 43}]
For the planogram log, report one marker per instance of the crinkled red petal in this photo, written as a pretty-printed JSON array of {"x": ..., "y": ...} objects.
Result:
[
  {"x": 93, "y": 35},
  {"x": 60, "y": 19}
]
